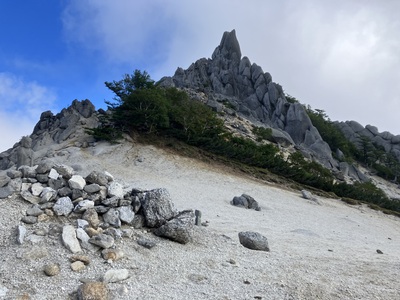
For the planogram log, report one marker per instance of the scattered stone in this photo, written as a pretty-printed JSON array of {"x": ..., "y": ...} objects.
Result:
[
  {"x": 34, "y": 210},
  {"x": 116, "y": 275},
  {"x": 70, "y": 240},
  {"x": 246, "y": 201},
  {"x": 112, "y": 217},
  {"x": 92, "y": 188},
  {"x": 146, "y": 243},
  {"x": 309, "y": 196},
  {"x": 82, "y": 258},
  {"x": 115, "y": 189},
  {"x": 93, "y": 291},
  {"x": 63, "y": 206},
  {"x": 97, "y": 177},
  {"x": 21, "y": 232},
  {"x": 48, "y": 194},
  {"x": 77, "y": 182},
  {"x": 92, "y": 217},
  {"x": 253, "y": 240},
  {"x": 84, "y": 205},
  {"x": 198, "y": 217},
  {"x": 51, "y": 269},
  {"x": 84, "y": 238},
  {"x": 379, "y": 251},
  {"x": 126, "y": 214},
  {"x": 102, "y": 240},
  {"x": 53, "y": 174},
  {"x": 5, "y": 192},
  {"x": 82, "y": 223},
  {"x": 29, "y": 220},
  {"x": 64, "y": 170},
  {"x": 36, "y": 189},
  {"x": 112, "y": 254},
  {"x": 178, "y": 229},
  {"x": 77, "y": 266},
  {"x": 27, "y": 196}
]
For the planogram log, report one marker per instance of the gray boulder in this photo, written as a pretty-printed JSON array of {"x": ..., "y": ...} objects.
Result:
[
  {"x": 157, "y": 207},
  {"x": 245, "y": 201},
  {"x": 253, "y": 240},
  {"x": 63, "y": 206},
  {"x": 179, "y": 229}
]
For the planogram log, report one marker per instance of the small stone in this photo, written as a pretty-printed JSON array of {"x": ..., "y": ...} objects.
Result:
[
  {"x": 93, "y": 291},
  {"x": 146, "y": 243},
  {"x": 70, "y": 240},
  {"x": 48, "y": 194},
  {"x": 63, "y": 206},
  {"x": 34, "y": 210},
  {"x": 92, "y": 188},
  {"x": 112, "y": 254},
  {"x": 115, "y": 189},
  {"x": 92, "y": 232},
  {"x": 77, "y": 182},
  {"x": 127, "y": 232},
  {"x": 51, "y": 269},
  {"x": 379, "y": 251},
  {"x": 84, "y": 238},
  {"x": 82, "y": 223},
  {"x": 111, "y": 202},
  {"x": 21, "y": 232},
  {"x": 53, "y": 174},
  {"x": 27, "y": 196},
  {"x": 83, "y": 206},
  {"x": 77, "y": 266},
  {"x": 82, "y": 258},
  {"x": 92, "y": 217},
  {"x": 36, "y": 189},
  {"x": 40, "y": 232},
  {"x": 29, "y": 220},
  {"x": 65, "y": 192},
  {"x": 102, "y": 240},
  {"x": 112, "y": 217},
  {"x": 116, "y": 275},
  {"x": 43, "y": 218},
  {"x": 64, "y": 170},
  {"x": 126, "y": 214}
]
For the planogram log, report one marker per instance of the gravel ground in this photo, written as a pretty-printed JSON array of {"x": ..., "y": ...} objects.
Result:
[{"x": 326, "y": 251}]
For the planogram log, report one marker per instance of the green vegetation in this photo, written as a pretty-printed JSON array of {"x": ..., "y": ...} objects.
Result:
[{"x": 141, "y": 106}]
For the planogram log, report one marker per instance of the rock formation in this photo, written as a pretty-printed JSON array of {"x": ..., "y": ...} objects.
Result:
[{"x": 230, "y": 79}]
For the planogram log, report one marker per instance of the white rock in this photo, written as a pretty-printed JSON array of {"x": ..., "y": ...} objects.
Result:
[
  {"x": 82, "y": 223},
  {"x": 21, "y": 231},
  {"x": 3, "y": 291},
  {"x": 109, "y": 176},
  {"x": 116, "y": 275},
  {"x": 70, "y": 240},
  {"x": 115, "y": 189},
  {"x": 84, "y": 205},
  {"x": 77, "y": 182},
  {"x": 36, "y": 189},
  {"x": 53, "y": 174},
  {"x": 126, "y": 214}
]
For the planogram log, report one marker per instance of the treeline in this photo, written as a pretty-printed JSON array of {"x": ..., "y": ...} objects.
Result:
[{"x": 141, "y": 106}]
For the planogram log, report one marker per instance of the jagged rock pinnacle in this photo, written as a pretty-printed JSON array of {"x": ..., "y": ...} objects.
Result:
[{"x": 229, "y": 46}]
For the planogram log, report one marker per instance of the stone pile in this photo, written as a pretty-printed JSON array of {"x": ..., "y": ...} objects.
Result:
[{"x": 99, "y": 205}]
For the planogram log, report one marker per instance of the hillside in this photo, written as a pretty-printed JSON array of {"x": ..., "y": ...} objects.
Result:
[{"x": 326, "y": 251}]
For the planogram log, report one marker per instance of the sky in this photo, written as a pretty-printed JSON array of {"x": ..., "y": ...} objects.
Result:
[{"x": 341, "y": 56}]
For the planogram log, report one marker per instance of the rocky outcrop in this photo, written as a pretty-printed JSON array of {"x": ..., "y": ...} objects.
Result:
[
  {"x": 231, "y": 79},
  {"x": 51, "y": 130},
  {"x": 357, "y": 134}
]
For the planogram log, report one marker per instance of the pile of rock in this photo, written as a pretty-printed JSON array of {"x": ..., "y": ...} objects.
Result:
[{"x": 99, "y": 205}]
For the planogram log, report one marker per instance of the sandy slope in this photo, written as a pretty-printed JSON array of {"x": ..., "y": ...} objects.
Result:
[{"x": 325, "y": 251}]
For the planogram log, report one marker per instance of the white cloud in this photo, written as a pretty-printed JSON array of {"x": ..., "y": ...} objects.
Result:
[{"x": 22, "y": 103}]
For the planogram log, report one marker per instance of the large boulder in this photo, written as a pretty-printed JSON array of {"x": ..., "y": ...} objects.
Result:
[
  {"x": 157, "y": 207},
  {"x": 179, "y": 229},
  {"x": 253, "y": 240}
]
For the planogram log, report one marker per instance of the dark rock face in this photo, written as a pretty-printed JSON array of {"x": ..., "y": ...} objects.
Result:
[{"x": 229, "y": 77}]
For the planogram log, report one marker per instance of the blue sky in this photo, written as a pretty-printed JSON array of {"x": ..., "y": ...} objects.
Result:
[{"x": 342, "y": 56}]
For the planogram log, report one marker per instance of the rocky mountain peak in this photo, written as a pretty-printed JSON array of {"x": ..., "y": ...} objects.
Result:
[
  {"x": 230, "y": 80},
  {"x": 229, "y": 47}
]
